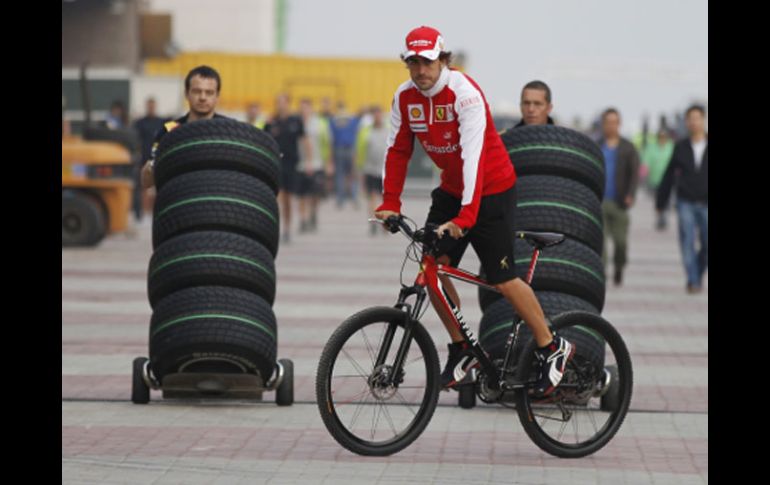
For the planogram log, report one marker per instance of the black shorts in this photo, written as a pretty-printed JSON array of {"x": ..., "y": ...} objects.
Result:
[
  {"x": 310, "y": 184},
  {"x": 373, "y": 184},
  {"x": 491, "y": 237}
]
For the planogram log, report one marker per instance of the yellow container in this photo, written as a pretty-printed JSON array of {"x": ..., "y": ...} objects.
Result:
[{"x": 252, "y": 78}]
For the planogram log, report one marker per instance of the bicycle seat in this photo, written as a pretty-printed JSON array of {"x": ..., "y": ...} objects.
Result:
[{"x": 540, "y": 240}]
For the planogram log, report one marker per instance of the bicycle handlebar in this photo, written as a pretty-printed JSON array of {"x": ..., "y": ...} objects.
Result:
[{"x": 426, "y": 235}]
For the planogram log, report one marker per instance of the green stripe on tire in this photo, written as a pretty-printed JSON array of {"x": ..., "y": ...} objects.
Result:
[
  {"x": 213, "y": 255},
  {"x": 557, "y": 148},
  {"x": 538, "y": 203},
  {"x": 218, "y": 199},
  {"x": 182, "y": 146},
  {"x": 223, "y": 316}
]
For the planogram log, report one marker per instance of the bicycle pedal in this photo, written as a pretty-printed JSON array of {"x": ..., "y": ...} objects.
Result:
[{"x": 470, "y": 376}]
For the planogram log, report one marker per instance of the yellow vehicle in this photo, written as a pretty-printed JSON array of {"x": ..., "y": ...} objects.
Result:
[{"x": 96, "y": 182}]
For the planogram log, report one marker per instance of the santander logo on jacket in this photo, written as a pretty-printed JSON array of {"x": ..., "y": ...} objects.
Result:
[{"x": 453, "y": 124}]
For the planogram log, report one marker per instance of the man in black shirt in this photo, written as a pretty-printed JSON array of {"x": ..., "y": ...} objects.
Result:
[
  {"x": 688, "y": 171},
  {"x": 288, "y": 130},
  {"x": 201, "y": 86}
]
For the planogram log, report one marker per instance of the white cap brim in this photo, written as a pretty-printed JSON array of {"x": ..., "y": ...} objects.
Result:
[{"x": 428, "y": 54}]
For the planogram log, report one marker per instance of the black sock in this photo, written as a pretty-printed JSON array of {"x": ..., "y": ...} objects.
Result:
[
  {"x": 543, "y": 349},
  {"x": 458, "y": 346}
]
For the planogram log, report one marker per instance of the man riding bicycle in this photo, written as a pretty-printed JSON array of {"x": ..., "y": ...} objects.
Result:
[{"x": 449, "y": 114}]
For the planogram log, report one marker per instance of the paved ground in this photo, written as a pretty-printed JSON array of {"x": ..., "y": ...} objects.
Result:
[{"x": 323, "y": 278}]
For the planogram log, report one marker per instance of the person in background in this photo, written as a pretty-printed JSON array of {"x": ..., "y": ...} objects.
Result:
[
  {"x": 254, "y": 116},
  {"x": 117, "y": 118},
  {"x": 344, "y": 127},
  {"x": 371, "y": 145},
  {"x": 146, "y": 128},
  {"x": 201, "y": 86},
  {"x": 316, "y": 165},
  {"x": 688, "y": 173},
  {"x": 655, "y": 159},
  {"x": 622, "y": 175},
  {"x": 289, "y": 131}
]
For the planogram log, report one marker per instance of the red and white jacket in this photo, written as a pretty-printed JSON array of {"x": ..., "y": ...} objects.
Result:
[{"x": 453, "y": 123}]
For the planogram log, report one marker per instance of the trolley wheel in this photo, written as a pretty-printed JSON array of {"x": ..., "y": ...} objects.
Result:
[
  {"x": 611, "y": 399},
  {"x": 140, "y": 391},
  {"x": 284, "y": 395},
  {"x": 466, "y": 396}
]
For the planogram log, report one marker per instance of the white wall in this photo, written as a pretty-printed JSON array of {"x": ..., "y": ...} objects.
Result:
[{"x": 246, "y": 26}]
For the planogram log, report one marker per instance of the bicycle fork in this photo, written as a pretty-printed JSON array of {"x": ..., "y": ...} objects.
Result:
[{"x": 410, "y": 316}]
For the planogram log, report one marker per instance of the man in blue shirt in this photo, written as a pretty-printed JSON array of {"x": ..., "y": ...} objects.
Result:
[{"x": 621, "y": 162}]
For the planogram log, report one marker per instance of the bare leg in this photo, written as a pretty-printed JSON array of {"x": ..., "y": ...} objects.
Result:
[
  {"x": 314, "y": 210},
  {"x": 372, "y": 197},
  {"x": 520, "y": 295},
  {"x": 303, "y": 210},
  {"x": 284, "y": 198}
]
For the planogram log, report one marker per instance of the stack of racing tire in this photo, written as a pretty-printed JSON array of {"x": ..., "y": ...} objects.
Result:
[
  {"x": 560, "y": 185},
  {"x": 211, "y": 279}
]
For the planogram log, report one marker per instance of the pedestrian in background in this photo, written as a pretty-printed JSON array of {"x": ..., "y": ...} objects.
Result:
[
  {"x": 371, "y": 145},
  {"x": 688, "y": 173},
  {"x": 344, "y": 128},
  {"x": 621, "y": 178},
  {"x": 147, "y": 127},
  {"x": 655, "y": 159},
  {"x": 254, "y": 116},
  {"x": 316, "y": 165},
  {"x": 289, "y": 131}
]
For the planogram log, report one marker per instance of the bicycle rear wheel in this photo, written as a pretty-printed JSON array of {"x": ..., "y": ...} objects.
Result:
[
  {"x": 361, "y": 410},
  {"x": 574, "y": 421}
]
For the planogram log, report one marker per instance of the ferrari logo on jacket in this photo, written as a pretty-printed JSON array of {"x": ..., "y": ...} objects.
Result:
[{"x": 443, "y": 113}]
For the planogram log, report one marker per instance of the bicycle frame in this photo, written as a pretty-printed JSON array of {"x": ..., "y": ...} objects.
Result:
[{"x": 428, "y": 279}]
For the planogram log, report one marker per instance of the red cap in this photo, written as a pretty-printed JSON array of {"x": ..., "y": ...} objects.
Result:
[{"x": 424, "y": 41}]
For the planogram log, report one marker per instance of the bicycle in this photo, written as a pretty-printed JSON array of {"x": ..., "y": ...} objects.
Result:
[{"x": 377, "y": 392}]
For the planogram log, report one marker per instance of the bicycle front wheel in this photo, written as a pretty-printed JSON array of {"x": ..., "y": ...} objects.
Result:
[
  {"x": 588, "y": 407},
  {"x": 375, "y": 409}
]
